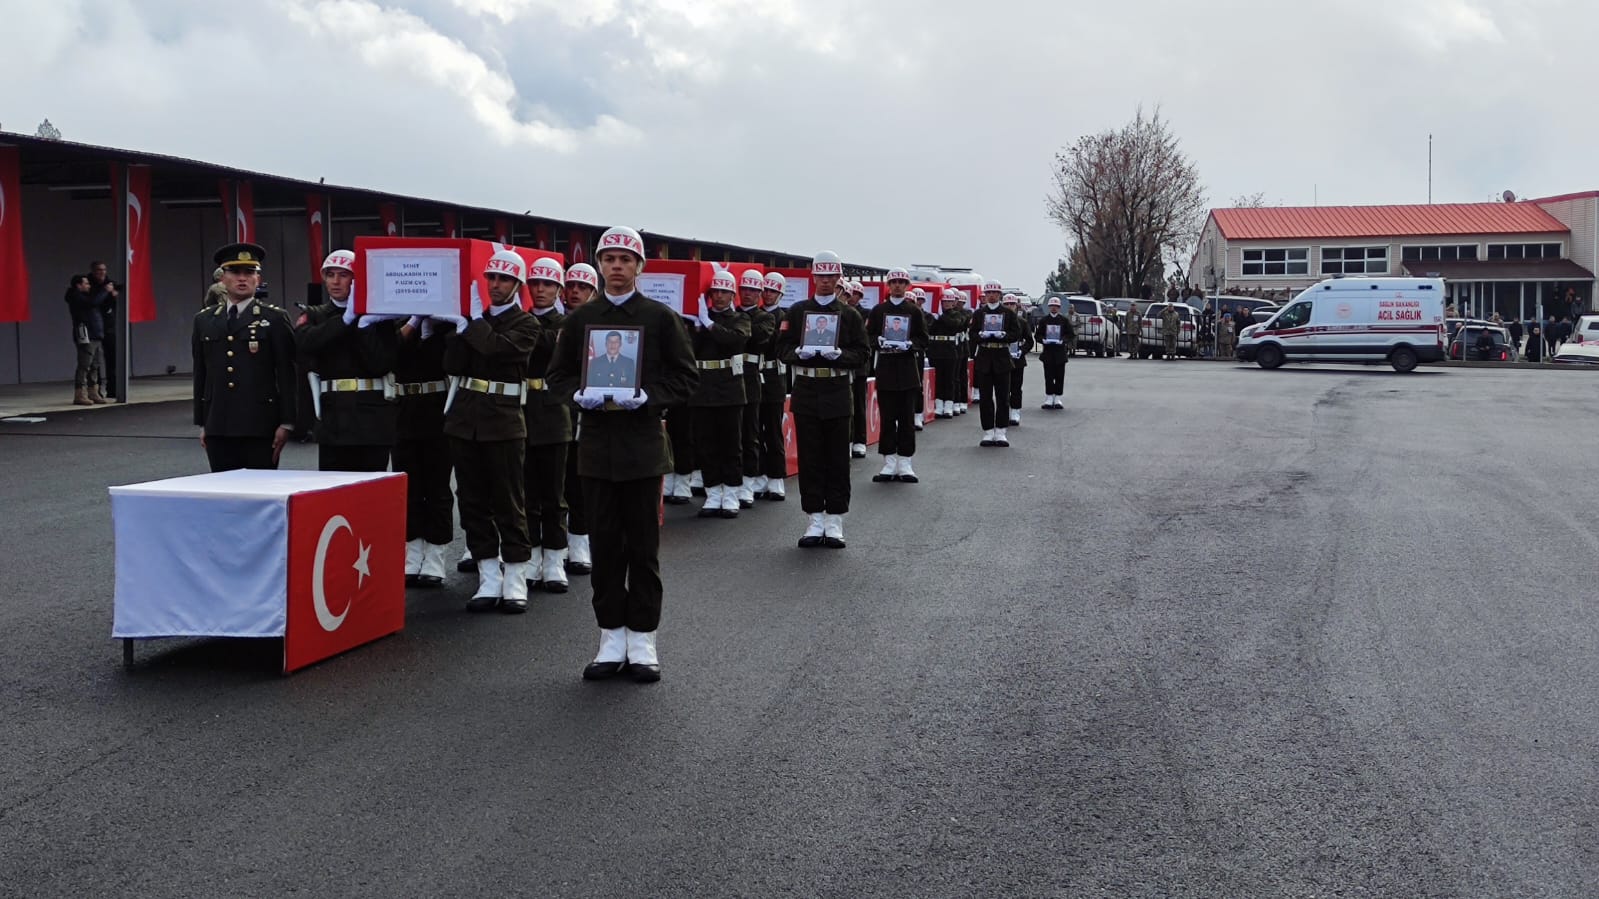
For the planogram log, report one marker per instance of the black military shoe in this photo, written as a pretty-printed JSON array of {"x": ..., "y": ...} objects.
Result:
[
  {"x": 412, "y": 580},
  {"x": 602, "y": 670},
  {"x": 809, "y": 542},
  {"x": 833, "y": 542},
  {"x": 428, "y": 582},
  {"x": 513, "y": 606},
  {"x": 643, "y": 674},
  {"x": 482, "y": 603},
  {"x": 466, "y": 566}
]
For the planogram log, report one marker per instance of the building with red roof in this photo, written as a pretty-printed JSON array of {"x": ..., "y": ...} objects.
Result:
[{"x": 1511, "y": 258}]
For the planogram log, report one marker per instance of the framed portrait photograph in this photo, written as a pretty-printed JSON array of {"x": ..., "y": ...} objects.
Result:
[
  {"x": 821, "y": 331},
  {"x": 612, "y": 363},
  {"x": 993, "y": 321},
  {"x": 1052, "y": 333},
  {"x": 897, "y": 328}
]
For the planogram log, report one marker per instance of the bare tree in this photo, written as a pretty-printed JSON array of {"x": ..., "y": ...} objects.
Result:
[
  {"x": 1255, "y": 200},
  {"x": 1130, "y": 200}
]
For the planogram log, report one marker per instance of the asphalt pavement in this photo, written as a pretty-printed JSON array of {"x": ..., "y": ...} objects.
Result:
[{"x": 1210, "y": 631}]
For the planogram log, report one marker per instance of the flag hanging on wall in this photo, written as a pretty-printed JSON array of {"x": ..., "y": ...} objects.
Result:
[
  {"x": 141, "y": 282},
  {"x": 13, "y": 264}
]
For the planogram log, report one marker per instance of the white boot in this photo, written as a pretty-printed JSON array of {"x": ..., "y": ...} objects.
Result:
[
  {"x": 746, "y": 493},
  {"x": 890, "y": 468},
  {"x": 833, "y": 531},
  {"x": 761, "y": 484},
  {"x": 906, "y": 473},
  {"x": 1015, "y": 416},
  {"x": 669, "y": 484},
  {"x": 730, "y": 501},
  {"x": 696, "y": 480},
  {"x": 988, "y": 437},
  {"x": 1000, "y": 438},
  {"x": 514, "y": 596},
  {"x": 857, "y": 450},
  {"x": 642, "y": 663},
  {"x": 680, "y": 489},
  {"x": 774, "y": 489},
  {"x": 578, "y": 560},
  {"x": 713, "y": 502},
  {"x": 554, "y": 570},
  {"x": 490, "y": 583},
  {"x": 813, "y": 530},
  {"x": 612, "y": 655},
  {"x": 413, "y": 558},
  {"x": 431, "y": 574}
]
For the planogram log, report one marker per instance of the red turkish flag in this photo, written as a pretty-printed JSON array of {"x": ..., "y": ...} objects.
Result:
[
  {"x": 790, "y": 443},
  {"x": 141, "y": 285},
  {"x": 389, "y": 217},
  {"x": 502, "y": 231},
  {"x": 244, "y": 214},
  {"x": 13, "y": 264},
  {"x": 541, "y": 237},
  {"x": 577, "y": 247},
  {"x": 450, "y": 224},
  {"x": 346, "y": 568},
  {"x": 315, "y": 233}
]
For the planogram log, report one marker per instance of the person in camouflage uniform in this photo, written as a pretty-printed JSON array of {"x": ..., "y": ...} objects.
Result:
[{"x": 1170, "y": 322}]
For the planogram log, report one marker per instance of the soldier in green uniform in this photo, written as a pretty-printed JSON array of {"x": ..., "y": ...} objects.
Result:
[
  {"x": 774, "y": 393},
  {"x": 992, "y": 331},
  {"x": 622, "y": 454},
  {"x": 1132, "y": 325},
  {"x": 487, "y": 360},
  {"x": 349, "y": 363},
  {"x": 943, "y": 347},
  {"x": 243, "y": 369},
  {"x": 853, "y": 293},
  {"x": 1018, "y": 354},
  {"x": 1170, "y": 322},
  {"x": 763, "y": 325},
  {"x": 823, "y": 400},
  {"x": 898, "y": 329},
  {"x": 962, "y": 317},
  {"x": 582, "y": 283},
  {"x": 549, "y": 431},
  {"x": 422, "y": 451},
  {"x": 719, "y": 335}
]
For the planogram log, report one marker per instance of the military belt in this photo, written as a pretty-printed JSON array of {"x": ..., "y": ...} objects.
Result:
[
  {"x": 500, "y": 388},
  {"x": 951, "y": 338},
  {"x": 772, "y": 365},
  {"x": 750, "y": 359},
  {"x": 535, "y": 384},
  {"x": 351, "y": 385},
  {"x": 803, "y": 372},
  {"x": 418, "y": 388},
  {"x": 990, "y": 345},
  {"x": 715, "y": 364}
]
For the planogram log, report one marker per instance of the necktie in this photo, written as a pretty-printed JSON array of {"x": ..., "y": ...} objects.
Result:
[{"x": 233, "y": 315}]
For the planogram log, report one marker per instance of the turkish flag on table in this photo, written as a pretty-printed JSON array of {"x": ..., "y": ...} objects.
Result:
[
  {"x": 315, "y": 231},
  {"x": 141, "y": 284},
  {"x": 790, "y": 444},
  {"x": 13, "y": 264},
  {"x": 346, "y": 563}
]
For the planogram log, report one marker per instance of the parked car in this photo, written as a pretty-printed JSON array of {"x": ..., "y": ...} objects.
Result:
[
  {"x": 1098, "y": 332},
  {"x": 1151, "y": 336},
  {"x": 1585, "y": 330},
  {"x": 1503, "y": 350},
  {"x": 1577, "y": 353}
]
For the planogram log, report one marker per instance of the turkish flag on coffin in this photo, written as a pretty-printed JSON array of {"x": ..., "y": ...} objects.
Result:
[{"x": 346, "y": 569}]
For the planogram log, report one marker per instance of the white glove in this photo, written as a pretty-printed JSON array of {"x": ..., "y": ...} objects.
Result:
[
  {"x": 477, "y": 303},
  {"x": 427, "y": 328},
  {"x": 456, "y": 320},
  {"x": 349, "y": 311},
  {"x": 805, "y": 352},
  {"x": 704, "y": 317},
  {"x": 414, "y": 322},
  {"x": 830, "y": 354},
  {"x": 368, "y": 321},
  {"x": 631, "y": 400},
  {"x": 589, "y": 400}
]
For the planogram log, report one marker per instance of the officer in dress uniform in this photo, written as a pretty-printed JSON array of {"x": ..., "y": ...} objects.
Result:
[
  {"x": 1055, "y": 334},
  {"x": 823, "y": 401},
  {"x": 549, "y": 431},
  {"x": 853, "y": 293},
  {"x": 487, "y": 361},
  {"x": 582, "y": 282},
  {"x": 622, "y": 455},
  {"x": 774, "y": 393},
  {"x": 719, "y": 335},
  {"x": 992, "y": 330},
  {"x": 762, "y": 326},
  {"x": 1018, "y": 354},
  {"x": 943, "y": 347},
  {"x": 349, "y": 364},
  {"x": 422, "y": 451},
  {"x": 244, "y": 357},
  {"x": 898, "y": 329}
]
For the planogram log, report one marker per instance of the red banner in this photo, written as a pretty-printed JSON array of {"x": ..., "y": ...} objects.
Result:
[
  {"x": 578, "y": 249},
  {"x": 502, "y": 231},
  {"x": 315, "y": 233},
  {"x": 244, "y": 214},
  {"x": 13, "y": 264},
  {"x": 140, "y": 289},
  {"x": 389, "y": 218},
  {"x": 541, "y": 237},
  {"x": 451, "y": 223}
]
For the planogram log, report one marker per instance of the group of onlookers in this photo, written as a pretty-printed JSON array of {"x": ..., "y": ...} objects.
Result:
[{"x": 92, "y": 300}]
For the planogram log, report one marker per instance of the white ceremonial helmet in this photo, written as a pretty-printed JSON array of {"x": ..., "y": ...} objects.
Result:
[
  {"x": 723, "y": 280},
  {"x": 506, "y": 262},
  {"x": 340, "y": 259},
  {"x": 993, "y": 287},
  {"x": 583, "y": 273},
  {"x": 752, "y": 279},
  {"x": 951, "y": 295},
  {"x": 775, "y": 281},
  {"x": 547, "y": 269},
  {"x": 827, "y": 263},
  {"x": 621, "y": 238},
  {"x": 898, "y": 274}
]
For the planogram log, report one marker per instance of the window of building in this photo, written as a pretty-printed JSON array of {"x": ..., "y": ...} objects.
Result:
[
  {"x": 1524, "y": 251},
  {"x": 1445, "y": 253},
  {"x": 1295, "y": 261},
  {"x": 1354, "y": 260}
]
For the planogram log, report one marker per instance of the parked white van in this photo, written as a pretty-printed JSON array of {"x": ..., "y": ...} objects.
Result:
[{"x": 1395, "y": 320}]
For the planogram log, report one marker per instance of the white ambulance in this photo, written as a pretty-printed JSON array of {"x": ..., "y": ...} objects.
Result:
[{"x": 1395, "y": 320}]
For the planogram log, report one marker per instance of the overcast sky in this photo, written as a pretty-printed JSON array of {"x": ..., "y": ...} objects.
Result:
[{"x": 892, "y": 131}]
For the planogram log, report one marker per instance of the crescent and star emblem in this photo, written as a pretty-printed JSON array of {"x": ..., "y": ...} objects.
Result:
[
  {"x": 316, "y": 217},
  {"x": 319, "y": 600},
  {"x": 137, "y": 208},
  {"x": 238, "y": 213}
]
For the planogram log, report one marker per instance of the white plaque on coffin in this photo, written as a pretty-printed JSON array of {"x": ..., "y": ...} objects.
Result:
[
  {"x": 421, "y": 281},
  {"x": 665, "y": 288}
]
